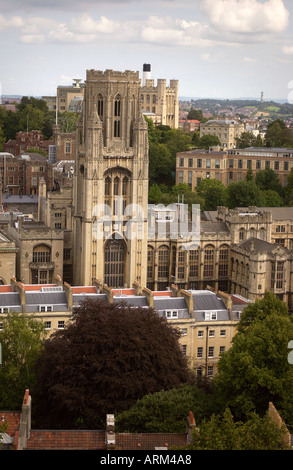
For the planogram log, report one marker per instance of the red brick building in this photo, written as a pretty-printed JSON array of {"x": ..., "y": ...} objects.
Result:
[
  {"x": 21, "y": 175},
  {"x": 26, "y": 140}
]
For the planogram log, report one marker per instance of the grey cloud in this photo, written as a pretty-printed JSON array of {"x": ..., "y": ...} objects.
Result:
[{"x": 54, "y": 5}]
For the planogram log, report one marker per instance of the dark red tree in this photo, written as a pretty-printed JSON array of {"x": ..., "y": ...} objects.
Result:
[{"x": 110, "y": 356}]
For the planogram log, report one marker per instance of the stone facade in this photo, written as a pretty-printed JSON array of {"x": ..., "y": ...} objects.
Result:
[
  {"x": 160, "y": 102},
  {"x": 8, "y": 253},
  {"x": 230, "y": 166},
  {"x": 111, "y": 170},
  {"x": 227, "y": 131}
]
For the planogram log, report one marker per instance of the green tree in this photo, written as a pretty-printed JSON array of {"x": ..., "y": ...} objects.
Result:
[
  {"x": 213, "y": 192},
  {"x": 255, "y": 370},
  {"x": 260, "y": 309},
  {"x": 160, "y": 164},
  {"x": 278, "y": 134},
  {"x": 248, "y": 139},
  {"x": 209, "y": 140},
  {"x": 164, "y": 411},
  {"x": 244, "y": 194},
  {"x": 268, "y": 180},
  {"x": 196, "y": 114},
  {"x": 22, "y": 338},
  {"x": 155, "y": 194},
  {"x": 224, "y": 433},
  {"x": 272, "y": 199},
  {"x": 2, "y": 139},
  {"x": 67, "y": 122},
  {"x": 88, "y": 370}
]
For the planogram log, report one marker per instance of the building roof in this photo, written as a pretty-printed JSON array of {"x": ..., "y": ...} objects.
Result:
[
  {"x": 206, "y": 300},
  {"x": 222, "y": 122},
  {"x": 213, "y": 226},
  {"x": 132, "y": 300},
  {"x": 10, "y": 299},
  {"x": 257, "y": 245}
]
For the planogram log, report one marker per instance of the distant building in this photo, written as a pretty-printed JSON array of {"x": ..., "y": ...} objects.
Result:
[
  {"x": 65, "y": 95},
  {"x": 227, "y": 131},
  {"x": 189, "y": 125},
  {"x": 21, "y": 175},
  {"x": 26, "y": 140},
  {"x": 231, "y": 165},
  {"x": 160, "y": 102}
]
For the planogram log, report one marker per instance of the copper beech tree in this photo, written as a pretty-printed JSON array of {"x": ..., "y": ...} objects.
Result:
[{"x": 106, "y": 359}]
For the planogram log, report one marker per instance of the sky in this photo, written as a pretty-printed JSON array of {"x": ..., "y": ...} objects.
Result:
[{"x": 215, "y": 48}]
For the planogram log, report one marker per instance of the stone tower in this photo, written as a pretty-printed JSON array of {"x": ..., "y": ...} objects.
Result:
[{"x": 111, "y": 182}]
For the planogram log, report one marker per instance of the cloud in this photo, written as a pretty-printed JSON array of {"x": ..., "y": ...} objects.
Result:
[
  {"x": 246, "y": 16},
  {"x": 288, "y": 50},
  {"x": 53, "y": 5},
  {"x": 13, "y": 22},
  {"x": 86, "y": 24},
  {"x": 249, "y": 59}
]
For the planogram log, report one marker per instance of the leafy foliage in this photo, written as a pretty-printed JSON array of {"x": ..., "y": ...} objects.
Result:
[
  {"x": 223, "y": 433},
  {"x": 108, "y": 358},
  {"x": 21, "y": 338},
  {"x": 255, "y": 370},
  {"x": 164, "y": 411}
]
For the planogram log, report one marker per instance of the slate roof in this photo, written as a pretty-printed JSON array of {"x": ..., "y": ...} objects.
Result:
[
  {"x": 205, "y": 300},
  {"x": 77, "y": 298},
  {"x": 132, "y": 300},
  {"x": 57, "y": 299},
  {"x": 171, "y": 303},
  {"x": 211, "y": 226},
  {"x": 10, "y": 299},
  {"x": 259, "y": 245}
]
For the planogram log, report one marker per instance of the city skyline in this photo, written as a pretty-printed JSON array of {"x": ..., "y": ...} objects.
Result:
[{"x": 215, "y": 48}]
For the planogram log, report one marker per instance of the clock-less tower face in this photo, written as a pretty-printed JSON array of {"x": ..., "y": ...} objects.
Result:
[{"x": 111, "y": 182}]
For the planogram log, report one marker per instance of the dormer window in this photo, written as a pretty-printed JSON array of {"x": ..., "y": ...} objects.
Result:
[
  {"x": 210, "y": 315},
  {"x": 45, "y": 308},
  {"x": 171, "y": 313}
]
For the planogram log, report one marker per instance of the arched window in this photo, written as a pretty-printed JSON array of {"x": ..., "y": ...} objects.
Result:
[
  {"x": 209, "y": 256},
  {"x": 150, "y": 267},
  {"x": 163, "y": 262},
  {"x": 100, "y": 106},
  {"x": 181, "y": 264},
  {"x": 117, "y": 106},
  {"x": 117, "y": 116},
  {"x": 193, "y": 263},
  {"x": 241, "y": 234},
  {"x": 223, "y": 261},
  {"x": 42, "y": 254},
  {"x": 125, "y": 191},
  {"x": 262, "y": 234},
  {"x": 114, "y": 263},
  {"x": 116, "y": 186}
]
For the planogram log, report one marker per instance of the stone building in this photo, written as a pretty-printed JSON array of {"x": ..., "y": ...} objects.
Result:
[
  {"x": 160, "y": 102},
  {"x": 65, "y": 95},
  {"x": 25, "y": 141},
  {"x": 227, "y": 131},
  {"x": 111, "y": 182},
  {"x": 8, "y": 253},
  {"x": 231, "y": 165},
  {"x": 21, "y": 175}
]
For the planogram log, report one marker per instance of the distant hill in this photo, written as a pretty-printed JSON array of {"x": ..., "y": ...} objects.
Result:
[{"x": 268, "y": 108}]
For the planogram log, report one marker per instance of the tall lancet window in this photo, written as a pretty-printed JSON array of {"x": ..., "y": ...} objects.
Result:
[
  {"x": 117, "y": 116},
  {"x": 100, "y": 106}
]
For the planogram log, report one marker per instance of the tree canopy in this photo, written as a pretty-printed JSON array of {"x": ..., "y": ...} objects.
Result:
[
  {"x": 255, "y": 370},
  {"x": 110, "y": 356},
  {"x": 222, "y": 432},
  {"x": 21, "y": 338}
]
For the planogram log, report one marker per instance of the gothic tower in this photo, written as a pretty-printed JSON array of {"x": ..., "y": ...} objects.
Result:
[{"x": 111, "y": 182}]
